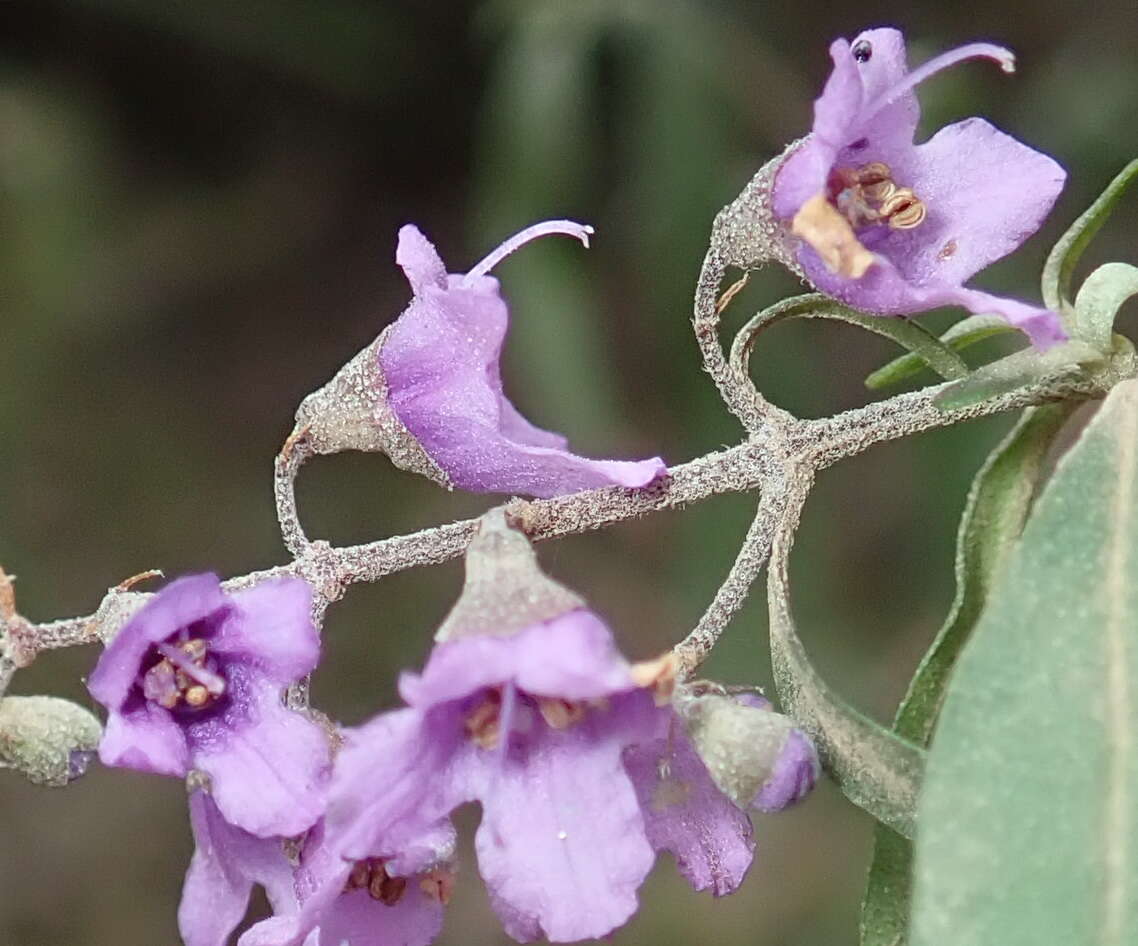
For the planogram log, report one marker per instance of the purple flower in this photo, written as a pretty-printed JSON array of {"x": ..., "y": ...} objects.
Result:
[
  {"x": 194, "y": 681},
  {"x": 892, "y": 227},
  {"x": 227, "y": 863},
  {"x": 581, "y": 776},
  {"x": 440, "y": 362},
  {"x": 370, "y": 902}
]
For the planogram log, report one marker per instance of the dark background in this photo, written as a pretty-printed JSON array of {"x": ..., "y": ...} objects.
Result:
[{"x": 198, "y": 207}]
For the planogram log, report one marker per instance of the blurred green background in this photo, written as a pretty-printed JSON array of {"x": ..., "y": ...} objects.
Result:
[{"x": 198, "y": 207}]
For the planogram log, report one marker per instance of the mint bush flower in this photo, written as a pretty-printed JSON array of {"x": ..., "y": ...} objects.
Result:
[
  {"x": 226, "y": 865},
  {"x": 891, "y": 227},
  {"x": 581, "y": 776},
  {"x": 370, "y": 902},
  {"x": 440, "y": 364},
  {"x": 194, "y": 681}
]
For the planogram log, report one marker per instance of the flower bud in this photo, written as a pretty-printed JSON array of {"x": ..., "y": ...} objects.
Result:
[
  {"x": 49, "y": 740},
  {"x": 756, "y": 757}
]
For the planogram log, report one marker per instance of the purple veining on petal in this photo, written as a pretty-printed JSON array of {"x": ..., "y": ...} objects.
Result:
[
  {"x": 905, "y": 240},
  {"x": 793, "y": 776},
  {"x": 441, "y": 364}
]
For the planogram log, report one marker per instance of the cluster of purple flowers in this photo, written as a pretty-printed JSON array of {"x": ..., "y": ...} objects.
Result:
[
  {"x": 581, "y": 764},
  {"x": 584, "y": 765}
]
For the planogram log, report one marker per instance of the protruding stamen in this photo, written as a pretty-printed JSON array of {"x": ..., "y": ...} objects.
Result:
[
  {"x": 659, "y": 675},
  {"x": 1005, "y": 57},
  {"x": 438, "y": 884},
  {"x": 483, "y": 725},
  {"x": 189, "y": 658},
  {"x": 560, "y": 714},
  {"x": 390, "y": 889},
  {"x": 570, "y": 228}
]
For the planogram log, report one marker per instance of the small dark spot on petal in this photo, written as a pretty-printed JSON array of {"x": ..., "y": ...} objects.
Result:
[
  {"x": 947, "y": 250},
  {"x": 862, "y": 50},
  {"x": 859, "y": 144}
]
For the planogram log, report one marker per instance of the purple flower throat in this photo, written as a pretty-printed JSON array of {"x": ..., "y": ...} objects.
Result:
[{"x": 184, "y": 676}]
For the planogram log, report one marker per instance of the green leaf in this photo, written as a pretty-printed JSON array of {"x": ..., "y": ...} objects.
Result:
[
  {"x": 961, "y": 335},
  {"x": 875, "y": 769},
  {"x": 1100, "y": 297},
  {"x": 1069, "y": 361},
  {"x": 922, "y": 344},
  {"x": 1065, "y": 255},
  {"x": 994, "y": 515},
  {"x": 1029, "y": 811}
]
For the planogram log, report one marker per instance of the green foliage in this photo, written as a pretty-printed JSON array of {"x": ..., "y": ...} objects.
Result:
[
  {"x": 1065, "y": 255},
  {"x": 1098, "y": 302},
  {"x": 994, "y": 515},
  {"x": 1027, "y": 812},
  {"x": 876, "y": 769},
  {"x": 1069, "y": 362},
  {"x": 923, "y": 347},
  {"x": 960, "y": 335}
]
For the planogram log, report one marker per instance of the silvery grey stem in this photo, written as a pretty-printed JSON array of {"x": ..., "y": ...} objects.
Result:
[
  {"x": 736, "y": 389},
  {"x": 748, "y": 466},
  {"x": 297, "y": 448},
  {"x": 825, "y": 441},
  {"x": 732, "y": 594}
]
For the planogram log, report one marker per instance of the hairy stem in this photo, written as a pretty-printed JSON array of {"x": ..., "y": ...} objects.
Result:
[
  {"x": 753, "y": 464},
  {"x": 732, "y": 594},
  {"x": 754, "y": 412}
]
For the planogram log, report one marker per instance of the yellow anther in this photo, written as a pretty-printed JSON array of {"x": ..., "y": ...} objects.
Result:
[
  {"x": 904, "y": 210},
  {"x": 560, "y": 714},
  {"x": 196, "y": 697}
]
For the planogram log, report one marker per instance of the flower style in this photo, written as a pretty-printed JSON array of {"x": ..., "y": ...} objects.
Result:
[
  {"x": 440, "y": 363},
  {"x": 892, "y": 227},
  {"x": 194, "y": 681}
]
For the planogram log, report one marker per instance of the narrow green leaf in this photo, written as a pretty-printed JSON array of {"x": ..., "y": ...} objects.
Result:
[
  {"x": 1029, "y": 811},
  {"x": 1069, "y": 360},
  {"x": 1099, "y": 299},
  {"x": 921, "y": 343},
  {"x": 875, "y": 769},
  {"x": 1065, "y": 255},
  {"x": 960, "y": 335},
  {"x": 994, "y": 515}
]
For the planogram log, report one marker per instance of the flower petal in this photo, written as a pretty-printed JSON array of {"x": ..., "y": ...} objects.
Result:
[
  {"x": 181, "y": 603},
  {"x": 419, "y": 259},
  {"x": 985, "y": 192},
  {"x": 794, "y": 775},
  {"x": 561, "y": 845},
  {"x": 271, "y": 627},
  {"x": 267, "y": 764},
  {"x": 441, "y": 363},
  {"x": 358, "y": 919},
  {"x": 684, "y": 813},
  {"x": 393, "y": 781},
  {"x": 572, "y": 657},
  {"x": 226, "y": 864},
  {"x": 145, "y": 737}
]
